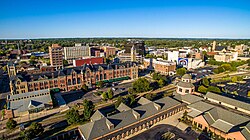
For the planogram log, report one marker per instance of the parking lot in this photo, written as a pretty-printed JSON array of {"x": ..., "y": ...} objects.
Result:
[
  {"x": 241, "y": 88},
  {"x": 201, "y": 72},
  {"x": 74, "y": 97}
]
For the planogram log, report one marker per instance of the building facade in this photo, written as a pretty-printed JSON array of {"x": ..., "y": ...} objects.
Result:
[
  {"x": 88, "y": 60},
  {"x": 109, "y": 51},
  {"x": 139, "y": 46},
  {"x": 161, "y": 66},
  {"x": 72, "y": 78},
  {"x": 76, "y": 52},
  {"x": 56, "y": 55},
  {"x": 130, "y": 120}
]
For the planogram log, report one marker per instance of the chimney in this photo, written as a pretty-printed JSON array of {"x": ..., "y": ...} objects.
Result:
[
  {"x": 136, "y": 114},
  {"x": 158, "y": 107},
  {"x": 109, "y": 124}
]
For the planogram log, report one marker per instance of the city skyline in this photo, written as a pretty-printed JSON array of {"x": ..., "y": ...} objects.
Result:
[{"x": 146, "y": 19}]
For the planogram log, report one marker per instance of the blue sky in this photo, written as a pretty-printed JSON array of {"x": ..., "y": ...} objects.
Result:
[{"x": 125, "y": 18}]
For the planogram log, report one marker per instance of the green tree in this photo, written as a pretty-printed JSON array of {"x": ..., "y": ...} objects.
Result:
[
  {"x": 85, "y": 88},
  {"x": 202, "y": 89},
  {"x": 73, "y": 116},
  {"x": 120, "y": 100},
  {"x": 181, "y": 71},
  {"x": 105, "y": 95},
  {"x": 100, "y": 84},
  {"x": 131, "y": 100},
  {"x": 11, "y": 124},
  {"x": 88, "y": 109},
  {"x": 150, "y": 96},
  {"x": 4, "y": 68},
  {"x": 32, "y": 57},
  {"x": 161, "y": 83},
  {"x": 27, "y": 134},
  {"x": 141, "y": 85},
  {"x": 214, "y": 89},
  {"x": 234, "y": 79},
  {"x": 3, "y": 113},
  {"x": 227, "y": 67},
  {"x": 110, "y": 94},
  {"x": 37, "y": 128},
  {"x": 205, "y": 82},
  {"x": 65, "y": 62}
]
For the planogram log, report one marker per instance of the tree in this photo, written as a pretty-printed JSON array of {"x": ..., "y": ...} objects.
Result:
[
  {"x": 73, "y": 116},
  {"x": 181, "y": 71},
  {"x": 100, "y": 84},
  {"x": 65, "y": 62},
  {"x": 202, "y": 89},
  {"x": 3, "y": 113},
  {"x": 32, "y": 57},
  {"x": 105, "y": 95},
  {"x": 4, "y": 68},
  {"x": 141, "y": 85},
  {"x": 120, "y": 100},
  {"x": 227, "y": 67},
  {"x": 234, "y": 79},
  {"x": 27, "y": 134},
  {"x": 150, "y": 96},
  {"x": 85, "y": 88},
  {"x": 161, "y": 83},
  {"x": 205, "y": 82},
  {"x": 37, "y": 128},
  {"x": 88, "y": 109},
  {"x": 110, "y": 94},
  {"x": 11, "y": 124},
  {"x": 214, "y": 89},
  {"x": 131, "y": 100}
]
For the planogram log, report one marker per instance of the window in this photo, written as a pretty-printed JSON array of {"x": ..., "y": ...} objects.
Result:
[
  {"x": 69, "y": 81},
  {"x": 199, "y": 126},
  {"x": 186, "y": 91},
  {"x": 180, "y": 90}
]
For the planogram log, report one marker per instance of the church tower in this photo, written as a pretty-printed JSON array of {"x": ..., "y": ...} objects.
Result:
[{"x": 133, "y": 54}]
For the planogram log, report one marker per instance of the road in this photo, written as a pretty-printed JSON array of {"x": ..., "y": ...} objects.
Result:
[{"x": 75, "y": 97}]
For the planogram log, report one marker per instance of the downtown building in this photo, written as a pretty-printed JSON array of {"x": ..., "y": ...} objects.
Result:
[
  {"x": 76, "y": 52},
  {"x": 56, "y": 55},
  {"x": 68, "y": 79},
  {"x": 158, "y": 65}
]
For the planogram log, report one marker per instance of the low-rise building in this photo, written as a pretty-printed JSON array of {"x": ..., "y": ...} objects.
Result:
[
  {"x": 159, "y": 65},
  {"x": 226, "y": 56},
  {"x": 109, "y": 51},
  {"x": 220, "y": 123},
  {"x": 191, "y": 63},
  {"x": 73, "y": 78},
  {"x": 129, "y": 120},
  {"x": 29, "y": 102},
  {"x": 185, "y": 86},
  {"x": 228, "y": 102},
  {"x": 88, "y": 60}
]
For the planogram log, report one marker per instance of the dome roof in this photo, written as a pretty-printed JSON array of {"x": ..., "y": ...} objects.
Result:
[{"x": 186, "y": 76}]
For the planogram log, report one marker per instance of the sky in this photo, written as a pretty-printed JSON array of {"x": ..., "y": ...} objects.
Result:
[{"x": 30, "y": 19}]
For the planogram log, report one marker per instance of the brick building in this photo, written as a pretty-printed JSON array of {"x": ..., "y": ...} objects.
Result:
[
  {"x": 56, "y": 55},
  {"x": 72, "y": 78},
  {"x": 161, "y": 66},
  {"x": 109, "y": 51},
  {"x": 88, "y": 60}
]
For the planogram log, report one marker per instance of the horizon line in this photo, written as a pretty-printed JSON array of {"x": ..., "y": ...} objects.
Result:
[{"x": 127, "y": 37}]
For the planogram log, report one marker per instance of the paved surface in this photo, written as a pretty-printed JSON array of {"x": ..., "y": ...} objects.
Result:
[
  {"x": 75, "y": 97},
  {"x": 170, "y": 124}
]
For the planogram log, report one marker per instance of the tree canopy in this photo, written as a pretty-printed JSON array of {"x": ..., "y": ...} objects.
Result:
[
  {"x": 141, "y": 85},
  {"x": 73, "y": 116},
  {"x": 181, "y": 71},
  {"x": 11, "y": 124},
  {"x": 88, "y": 109}
]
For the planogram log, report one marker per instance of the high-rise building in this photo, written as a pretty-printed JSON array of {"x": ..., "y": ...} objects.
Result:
[
  {"x": 56, "y": 55},
  {"x": 214, "y": 45},
  {"x": 138, "y": 45},
  {"x": 78, "y": 51}
]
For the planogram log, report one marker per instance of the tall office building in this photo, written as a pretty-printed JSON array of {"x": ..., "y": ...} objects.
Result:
[
  {"x": 78, "y": 51},
  {"x": 56, "y": 55},
  {"x": 137, "y": 44}
]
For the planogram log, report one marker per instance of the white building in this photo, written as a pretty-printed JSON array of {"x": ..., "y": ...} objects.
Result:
[
  {"x": 172, "y": 56},
  {"x": 191, "y": 63},
  {"x": 78, "y": 51}
]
